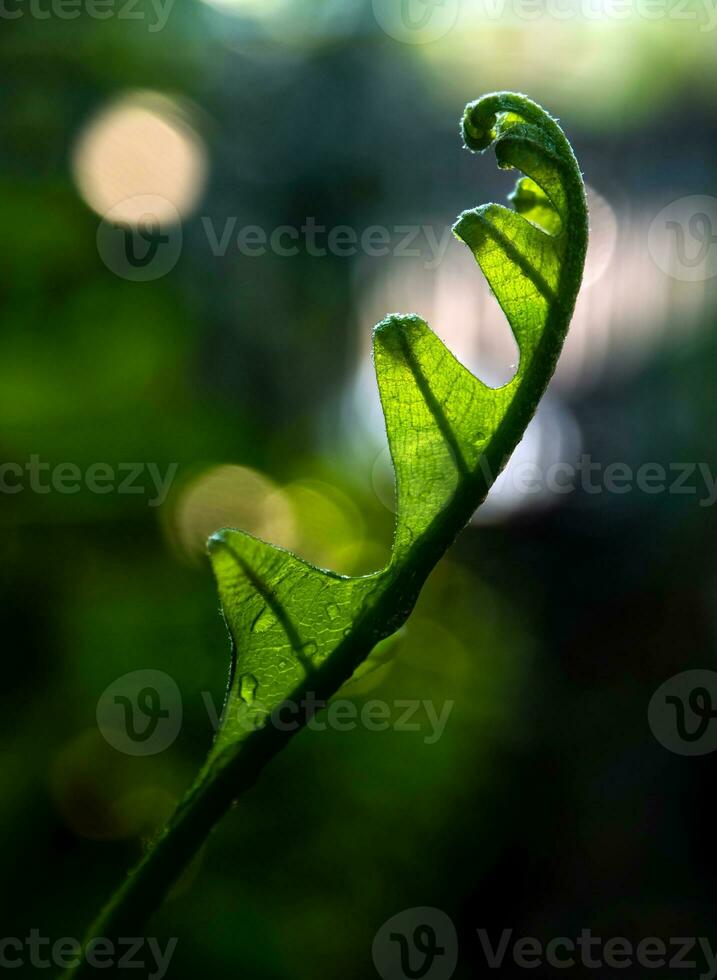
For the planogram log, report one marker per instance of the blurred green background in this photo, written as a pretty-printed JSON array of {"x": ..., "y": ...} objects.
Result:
[{"x": 547, "y": 805}]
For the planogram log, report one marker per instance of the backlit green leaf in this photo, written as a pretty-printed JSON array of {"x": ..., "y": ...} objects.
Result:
[
  {"x": 449, "y": 433},
  {"x": 298, "y": 630}
]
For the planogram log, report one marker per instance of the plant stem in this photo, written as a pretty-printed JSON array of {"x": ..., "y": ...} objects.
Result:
[
  {"x": 228, "y": 773},
  {"x": 221, "y": 782}
]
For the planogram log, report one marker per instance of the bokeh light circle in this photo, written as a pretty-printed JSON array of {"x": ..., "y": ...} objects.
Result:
[{"x": 142, "y": 145}]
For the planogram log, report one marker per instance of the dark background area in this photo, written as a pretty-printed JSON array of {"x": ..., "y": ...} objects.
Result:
[{"x": 547, "y": 805}]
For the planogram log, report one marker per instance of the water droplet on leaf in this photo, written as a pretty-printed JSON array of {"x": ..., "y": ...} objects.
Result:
[
  {"x": 247, "y": 687},
  {"x": 263, "y": 621}
]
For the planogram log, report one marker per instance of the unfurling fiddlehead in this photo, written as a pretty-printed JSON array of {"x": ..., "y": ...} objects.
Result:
[{"x": 298, "y": 630}]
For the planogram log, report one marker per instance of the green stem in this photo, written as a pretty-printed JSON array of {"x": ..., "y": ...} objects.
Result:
[
  {"x": 221, "y": 784},
  {"x": 229, "y": 772}
]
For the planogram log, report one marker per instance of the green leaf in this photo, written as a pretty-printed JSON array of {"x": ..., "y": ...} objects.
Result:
[
  {"x": 285, "y": 618},
  {"x": 299, "y": 630},
  {"x": 449, "y": 433}
]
